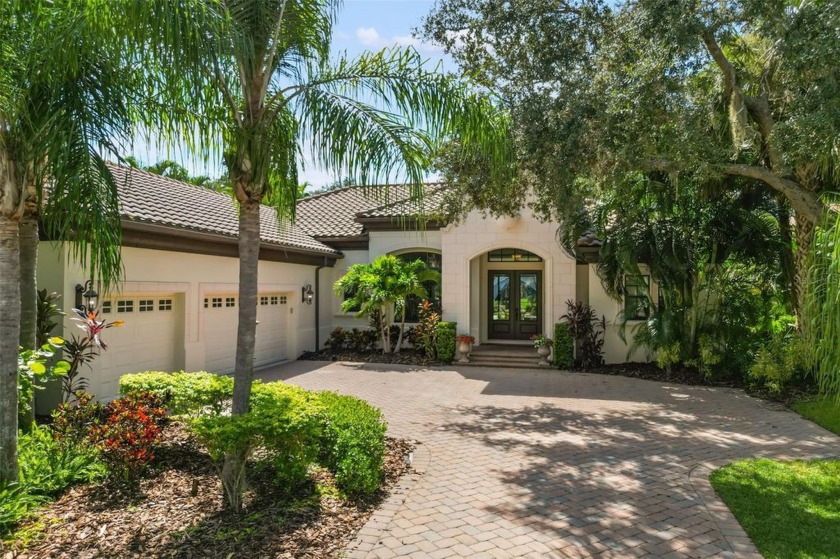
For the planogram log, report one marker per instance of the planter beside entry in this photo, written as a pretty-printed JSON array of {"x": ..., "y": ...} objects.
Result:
[
  {"x": 465, "y": 342},
  {"x": 543, "y": 346}
]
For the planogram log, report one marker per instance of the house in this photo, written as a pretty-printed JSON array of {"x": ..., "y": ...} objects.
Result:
[{"x": 502, "y": 279}]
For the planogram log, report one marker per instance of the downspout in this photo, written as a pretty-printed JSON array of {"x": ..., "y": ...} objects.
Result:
[{"x": 318, "y": 304}]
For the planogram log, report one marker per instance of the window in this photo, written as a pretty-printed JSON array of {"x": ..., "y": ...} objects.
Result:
[
  {"x": 166, "y": 304},
  {"x": 637, "y": 297},
  {"x": 216, "y": 302},
  {"x": 106, "y": 307},
  {"x": 206, "y": 302},
  {"x": 264, "y": 300},
  {"x": 433, "y": 261},
  {"x": 125, "y": 305},
  {"x": 230, "y": 302},
  {"x": 146, "y": 305},
  {"x": 274, "y": 299},
  {"x": 283, "y": 300},
  {"x": 512, "y": 255}
]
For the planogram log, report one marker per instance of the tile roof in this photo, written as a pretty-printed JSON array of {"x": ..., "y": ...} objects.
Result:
[
  {"x": 430, "y": 205},
  {"x": 149, "y": 198}
]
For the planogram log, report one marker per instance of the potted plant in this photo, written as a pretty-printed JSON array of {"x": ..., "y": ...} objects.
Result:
[
  {"x": 543, "y": 345},
  {"x": 465, "y": 342}
]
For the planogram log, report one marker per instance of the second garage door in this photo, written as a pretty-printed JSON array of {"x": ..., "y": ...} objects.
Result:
[{"x": 219, "y": 330}]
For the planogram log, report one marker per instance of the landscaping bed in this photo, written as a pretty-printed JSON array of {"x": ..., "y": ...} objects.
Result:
[
  {"x": 651, "y": 371},
  {"x": 404, "y": 357},
  {"x": 177, "y": 512}
]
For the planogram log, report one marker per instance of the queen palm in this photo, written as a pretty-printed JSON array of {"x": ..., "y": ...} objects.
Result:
[
  {"x": 63, "y": 93},
  {"x": 258, "y": 71}
]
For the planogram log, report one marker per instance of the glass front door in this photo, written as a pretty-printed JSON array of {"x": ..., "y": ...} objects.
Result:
[{"x": 515, "y": 304}]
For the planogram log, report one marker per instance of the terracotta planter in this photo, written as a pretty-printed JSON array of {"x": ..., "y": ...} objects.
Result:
[
  {"x": 464, "y": 349},
  {"x": 544, "y": 351}
]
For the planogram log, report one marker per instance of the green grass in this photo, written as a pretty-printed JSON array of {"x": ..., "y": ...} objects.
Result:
[
  {"x": 791, "y": 510},
  {"x": 824, "y": 411}
]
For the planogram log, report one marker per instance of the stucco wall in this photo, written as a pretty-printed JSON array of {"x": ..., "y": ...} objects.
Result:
[
  {"x": 465, "y": 243},
  {"x": 190, "y": 277}
]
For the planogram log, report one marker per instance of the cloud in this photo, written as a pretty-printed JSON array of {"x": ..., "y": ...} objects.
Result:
[{"x": 370, "y": 37}]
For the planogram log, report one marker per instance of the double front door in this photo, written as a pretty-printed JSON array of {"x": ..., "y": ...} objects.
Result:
[{"x": 515, "y": 304}]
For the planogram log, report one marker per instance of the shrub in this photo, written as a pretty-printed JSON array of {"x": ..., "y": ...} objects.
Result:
[
  {"x": 564, "y": 347},
  {"x": 780, "y": 362},
  {"x": 183, "y": 393},
  {"x": 285, "y": 421},
  {"x": 127, "y": 438},
  {"x": 73, "y": 421},
  {"x": 446, "y": 341},
  {"x": 353, "y": 442},
  {"x": 587, "y": 331}
]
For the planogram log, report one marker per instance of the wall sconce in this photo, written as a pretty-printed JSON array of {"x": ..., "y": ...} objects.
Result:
[
  {"x": 306, "y": 294},
  {"x": 86, "y": 296}
]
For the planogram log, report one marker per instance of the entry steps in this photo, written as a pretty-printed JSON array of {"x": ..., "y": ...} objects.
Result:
[{"x": 507, "y": 356}]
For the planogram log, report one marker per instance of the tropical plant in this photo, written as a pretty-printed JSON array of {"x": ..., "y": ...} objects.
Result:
[
  {"x": 258, "y": 76},
  {"x": 34, "y": 369},
  {"x": 587, "y": 330},
  {"x": 445, "y": 347},
  {"x": 426, "y": 331},
  {"x": 190, "y": 394},
  {"x": 83, "y": 351},
  {"x": 68, "y": 101},
  {"x": 563, "y": 353},
  {"x": 48, "y": 311}
]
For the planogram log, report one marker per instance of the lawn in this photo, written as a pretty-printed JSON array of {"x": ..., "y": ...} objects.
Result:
[
  {"x": 823, "y": 411},
  {"x": 789, "y": 509}
]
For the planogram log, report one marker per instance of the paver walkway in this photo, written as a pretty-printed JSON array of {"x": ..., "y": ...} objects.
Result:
[{"x": 550, "y": 464}]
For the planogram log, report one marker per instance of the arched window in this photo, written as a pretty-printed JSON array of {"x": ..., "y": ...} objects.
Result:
[{"x": 433, "y": 261}]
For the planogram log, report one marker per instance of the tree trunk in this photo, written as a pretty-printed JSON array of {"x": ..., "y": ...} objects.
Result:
[
  {"x": 805, "y": 230},
  {"x": 9, "y": 337},
  {"x": 28, "y": 299},
  {"x": 402, "y": 329},
  {"x": 787, "y": 257},
  {"x": 249, "y": 258}
]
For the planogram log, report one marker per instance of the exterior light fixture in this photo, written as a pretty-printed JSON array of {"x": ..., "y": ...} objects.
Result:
[
  {"x": 306, "y": 294},
  {"x": 86, "y": 296}
]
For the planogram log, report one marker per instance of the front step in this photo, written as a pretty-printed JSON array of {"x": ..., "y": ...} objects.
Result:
[{"x": 504, "y": 356}]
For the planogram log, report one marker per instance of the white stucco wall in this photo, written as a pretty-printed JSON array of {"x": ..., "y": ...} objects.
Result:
[
  {"x": 465, "y": 243},
  {"x": 189, "y": 277}
]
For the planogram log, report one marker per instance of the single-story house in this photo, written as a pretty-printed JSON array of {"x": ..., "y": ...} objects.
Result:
[{"x": 502, "y": 279}]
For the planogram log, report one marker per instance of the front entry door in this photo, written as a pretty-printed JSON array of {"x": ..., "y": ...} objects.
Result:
[{"x": 515, "y": 304}]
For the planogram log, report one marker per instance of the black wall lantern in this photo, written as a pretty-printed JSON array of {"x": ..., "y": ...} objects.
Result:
[
  {"x": 86, "y": 296},
  {"x": 306, "y": 294}
]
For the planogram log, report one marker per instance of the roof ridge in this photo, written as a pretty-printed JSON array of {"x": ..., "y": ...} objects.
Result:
[
  {"x": 359, "y": 186},
  {"x": 131, "y": 169}
]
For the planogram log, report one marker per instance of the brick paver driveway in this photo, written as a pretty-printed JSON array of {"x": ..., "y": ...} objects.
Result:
[{"x": 548, "y": 464}]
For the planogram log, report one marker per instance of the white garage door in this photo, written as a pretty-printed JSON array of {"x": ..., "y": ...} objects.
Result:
[
  {"x": 146, "y": 342},
  {"x": 219, "y": 330}
]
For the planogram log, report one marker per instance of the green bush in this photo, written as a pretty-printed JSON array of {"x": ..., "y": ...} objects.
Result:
[
  {"x": 353, "y": 442},
  {"x": 184, "y": 393},
  {"x": 285, "y": 422},
  {"x": 446, "y": 341},
  {"x": 779, "y": 363},
  {"x": 563, "y": 353}
]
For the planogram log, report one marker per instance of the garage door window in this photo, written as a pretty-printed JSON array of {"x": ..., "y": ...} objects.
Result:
[
  {"x": 274, "y": 299},
  {"x": 230, "y": 301},
  {"x": 106, "y": 307},
  {"x": 217, "y": 302},
  {"x": 165, "y": 305},
  {"x": 125, "y": 306},
  {"x": 283, "y": 299},
  {"x": 146, "y": 305},
  {"x": 263, "y": 301}
]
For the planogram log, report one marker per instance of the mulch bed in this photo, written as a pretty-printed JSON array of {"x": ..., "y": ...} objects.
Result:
[
  {"x": 404, "y": 357},
  {"x": 651, "y": 371},
  {"x": 164, "y": 519}
]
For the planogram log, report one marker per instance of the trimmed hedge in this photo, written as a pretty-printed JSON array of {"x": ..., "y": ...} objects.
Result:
[
  {"x": 184, "y": 393},
  {"x": 564, "y": 347},
  {"x": 353, "y": 442},
  {"x": 446, "y": 341}
]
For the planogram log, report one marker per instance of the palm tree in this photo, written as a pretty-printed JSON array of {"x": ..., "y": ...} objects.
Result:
[
  {"x": 411, "y": 281},
  {"x": 63, "y": 108},
  {"x": 257, "y": 72}
]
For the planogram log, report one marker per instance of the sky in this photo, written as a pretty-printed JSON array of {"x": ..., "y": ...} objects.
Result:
[{"x": 362, "y": 25}]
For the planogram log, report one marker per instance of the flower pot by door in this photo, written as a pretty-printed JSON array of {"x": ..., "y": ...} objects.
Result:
[
  {"x": 544, "y": 351},
  {"x": 464, "y": 350}
]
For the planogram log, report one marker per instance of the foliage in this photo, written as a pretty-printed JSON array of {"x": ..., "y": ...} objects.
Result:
[
  {"x": 47, "y": 312},
  {"x": 73, "y": 421},
  {"x": 445, "y": 347},
  {"x": 284, "y": 422},
  {"x": 382, "y": 289},
  {"x": 174, "y": 170},
  {"x": 352, "y": 340},
  {"x": 541, "y": 340},
  {"x": 353, "y": 442},
  {"x": 127, "y": 437},
  {"x": 821, "y": 313},
  {"x": 788, "y": 509},
  {"x": 588, "y": 333},
  {"x": 426, "y": 331},
  {"x": 464, "y": 339},
  {"x": 82, "y": 351},
  {"x": 824, "y": 411},
  {"x": 183, "y": 393},
  {"x": 563, "y": 353},
  {"x": 780, "y": 362},
  {"x": 34, "y": 369}
]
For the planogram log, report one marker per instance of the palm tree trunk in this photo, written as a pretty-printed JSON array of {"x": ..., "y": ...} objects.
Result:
[
  {"x": 9, "y": 337},
  {"x": 402, "y": 329},
  {"x": 804, "y": 240},
  {"x": 28, "y": 298},
  {"x": 249, "y": 258}
]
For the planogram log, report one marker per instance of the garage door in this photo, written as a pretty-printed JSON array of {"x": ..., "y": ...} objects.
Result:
[
  {"x": 146, "y": 342},
  {"x": 219, "y": 330}
]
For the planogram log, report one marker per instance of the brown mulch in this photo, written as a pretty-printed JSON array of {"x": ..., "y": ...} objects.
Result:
[
  {"x": 404, "y": 357},
  {"x": 651, "y": 371},
  {"x": 163, "y": 519}
]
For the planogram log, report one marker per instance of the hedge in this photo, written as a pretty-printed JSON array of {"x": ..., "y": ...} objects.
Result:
[
  {"x": 564, "y": 347},
  {"x": 446, "y": 341},
  {"x": 184, "y": 393}
]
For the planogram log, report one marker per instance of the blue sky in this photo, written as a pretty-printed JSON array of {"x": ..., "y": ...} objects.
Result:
[{"x": 362, "y": 25}]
